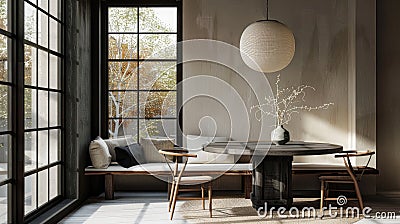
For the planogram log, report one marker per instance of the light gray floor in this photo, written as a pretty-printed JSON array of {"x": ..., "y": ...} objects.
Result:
[
  {"x": 128, "y": 207},
  {"x": 151, "y": 207}
]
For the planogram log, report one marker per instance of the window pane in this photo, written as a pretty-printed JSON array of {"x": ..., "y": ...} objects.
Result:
[
  {"x": 54, "y": 72},
  {"x": 43, "y": 30},
  {"x": 122, "y": 19},
  {"x": 122, "y": 104},
  {"x": 157, "y": 75},
  {"x": 54, "y": 181},
  {"x": 157, "y": 104},
  {"x": 4, "y": 204},
  {"x": 30, "y": 108},
  {"x": 43, "y": 69},
  {"x": 43, "y": 108},
  {"x": 54, "y": 33},
  {"x": 4, "y": 48},
  {"x": 30, "y": 23},
  {"x": 122, "y": 46},
  {"x": 152, "y": 128},
  {"x": 54, "y": 8},
  {"x": 30, "y": 193},
  {"x": 3, "y": 15},
  {"x": 55, "y": 145},
  {"x": 121, "y": 127},
  {"x": 43, "y": 4},
  {"x": 30, "y": 63},
  {"x": 30, "y": 150},
  {"x": 43, "y": 146},
  {"x": 55, "y": 100},
  {"x": 5, "y": 99},
  {"x": 122, "y": 75},
  {"x": 5, "y": 150},
  {"x": 43, "y": 187},
  {"x": 157, "y": 46},
  {"x": 160, "y": 19}
]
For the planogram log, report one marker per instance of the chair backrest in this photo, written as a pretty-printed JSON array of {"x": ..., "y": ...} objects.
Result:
[
  {"x": 346, "y": 159},
  {"x": 177, "y": 154}
]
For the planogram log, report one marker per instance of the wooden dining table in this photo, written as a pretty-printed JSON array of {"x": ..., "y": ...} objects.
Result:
[{"x": 272, "y": 166}]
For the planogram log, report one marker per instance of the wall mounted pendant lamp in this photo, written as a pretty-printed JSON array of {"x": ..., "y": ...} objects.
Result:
[{"x": 267, "y": 45}]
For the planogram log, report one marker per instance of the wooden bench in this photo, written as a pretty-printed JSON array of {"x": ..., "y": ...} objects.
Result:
[{"x": 241, "y": 169}]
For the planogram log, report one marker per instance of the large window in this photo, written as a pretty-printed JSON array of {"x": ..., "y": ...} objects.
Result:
[
  {"x": 142, "y": 71},
  {"x": 30, "y": 106},
  {"x": 6, "y": 82},
  {"x": 42, "y": 102}
]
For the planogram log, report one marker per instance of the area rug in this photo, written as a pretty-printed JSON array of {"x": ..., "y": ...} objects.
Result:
[{"x": 240, "y": 210}]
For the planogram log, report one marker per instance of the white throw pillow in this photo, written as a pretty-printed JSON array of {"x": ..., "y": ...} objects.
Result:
[
  {"x": 99, "y": 153},
  {"x": 151, "y": 147},
  {"x": 115, "y": 142}
]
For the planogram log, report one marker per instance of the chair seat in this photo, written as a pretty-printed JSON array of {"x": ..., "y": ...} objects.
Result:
[
  {"x": 344, "y": 178},
  {"x": 195, "y": 179}
]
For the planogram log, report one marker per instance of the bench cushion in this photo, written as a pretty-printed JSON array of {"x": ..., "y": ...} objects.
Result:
[
  {"x": 213, "y": 167},
  {"x": 163, "y": 167},
  {"x": 318, "y": 166}
]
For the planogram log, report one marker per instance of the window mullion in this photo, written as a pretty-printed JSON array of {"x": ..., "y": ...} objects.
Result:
[
  {"x": 138, "y": 75},
  {"x": 18, "y": 195}
]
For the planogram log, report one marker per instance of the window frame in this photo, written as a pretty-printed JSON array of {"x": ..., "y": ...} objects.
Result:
[
  {"x": 16, "y": 163},
  {"x": 35, "y": 172},
  {"x": 10, "y": 132},
  {"x": 104, "y": 85}
]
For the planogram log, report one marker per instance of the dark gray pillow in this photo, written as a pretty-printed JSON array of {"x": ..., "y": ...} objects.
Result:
[{"x": 130, "y": 155}]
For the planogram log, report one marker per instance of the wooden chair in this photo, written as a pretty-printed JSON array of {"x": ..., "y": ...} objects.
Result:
[
  {"x": 179, "y": 179},
  {"x": 351, "y": 177}
]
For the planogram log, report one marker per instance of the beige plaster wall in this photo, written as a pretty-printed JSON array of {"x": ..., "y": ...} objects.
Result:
[{"x": 327, "y": 34}]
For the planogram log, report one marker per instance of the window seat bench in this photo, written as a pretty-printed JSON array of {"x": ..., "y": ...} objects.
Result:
[{"x": 240, "y": 169}]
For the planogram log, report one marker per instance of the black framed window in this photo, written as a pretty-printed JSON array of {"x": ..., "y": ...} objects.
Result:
[
  {"x": 142, "y": 70},
  {"x": 43, "y": 94},
  {"x": 7, "y": 37}
]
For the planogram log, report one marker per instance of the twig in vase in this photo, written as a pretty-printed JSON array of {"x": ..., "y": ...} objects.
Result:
[{"x": 286, "y": 102}]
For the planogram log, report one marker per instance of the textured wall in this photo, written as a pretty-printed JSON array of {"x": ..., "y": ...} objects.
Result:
[
  {"x": 321, "y": 29},
  {"x": 329, "y": 35},
  {"x": 388, "y": 95}
]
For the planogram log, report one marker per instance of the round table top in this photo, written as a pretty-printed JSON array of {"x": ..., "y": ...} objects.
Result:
[{"x": 293, "y": 148}]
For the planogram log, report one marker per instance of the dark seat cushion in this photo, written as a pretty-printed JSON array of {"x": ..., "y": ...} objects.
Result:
[{"x": 130, "y": 155}]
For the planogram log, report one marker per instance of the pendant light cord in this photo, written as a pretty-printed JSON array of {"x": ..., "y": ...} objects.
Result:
[{"x": 266, "y": 2}]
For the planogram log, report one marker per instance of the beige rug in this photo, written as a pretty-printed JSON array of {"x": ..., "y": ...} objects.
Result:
[{"x": 240, "y": 210}]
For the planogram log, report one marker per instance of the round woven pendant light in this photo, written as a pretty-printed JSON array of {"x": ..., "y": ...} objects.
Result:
[{"x": 267, "y": 46}]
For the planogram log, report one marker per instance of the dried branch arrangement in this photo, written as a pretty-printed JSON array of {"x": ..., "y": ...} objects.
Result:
[{"x": 288, "y": 101}]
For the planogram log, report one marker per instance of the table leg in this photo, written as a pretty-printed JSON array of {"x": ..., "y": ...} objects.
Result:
[{"x": 272, "y": 182}]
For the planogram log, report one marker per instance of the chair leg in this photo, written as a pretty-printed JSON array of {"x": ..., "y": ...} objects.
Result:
[
  {"x": 202, "y": 197},
  {"x": 322, "y": 195},
  {"x": 174, "y": 199},
  {"x": 210, "y": 199},
  {"x": 359, "y": 197},
  {"x": 171, "y": 193}
]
